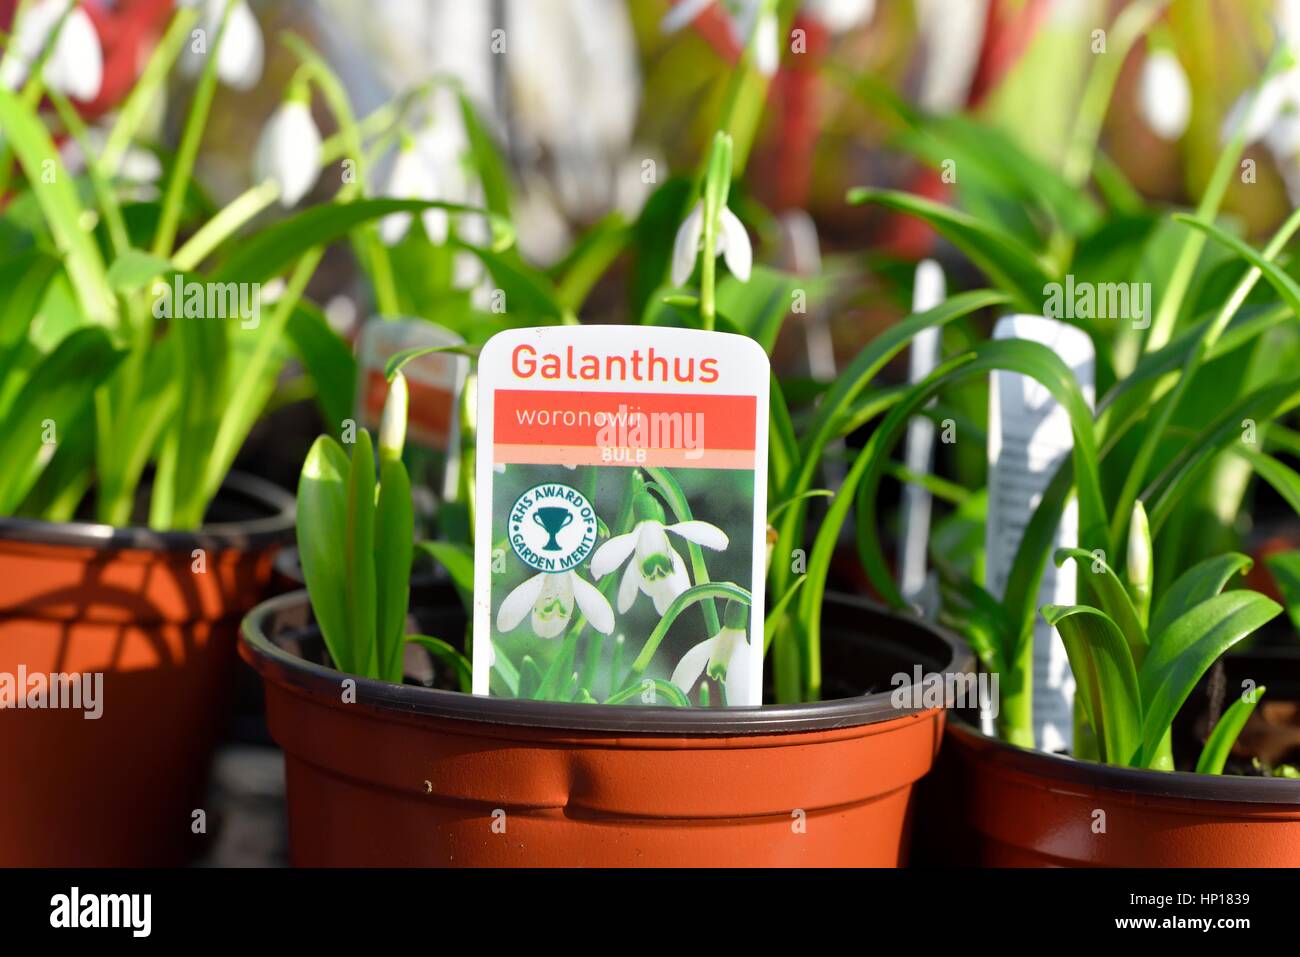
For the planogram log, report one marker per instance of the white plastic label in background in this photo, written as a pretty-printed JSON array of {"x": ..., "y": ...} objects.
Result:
[
  {"x": 1029, "y": 437},
  {"x": 928, "y": 291}
]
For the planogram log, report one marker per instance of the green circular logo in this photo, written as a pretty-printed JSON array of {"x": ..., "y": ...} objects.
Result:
[{"x": 552, "y": 527}]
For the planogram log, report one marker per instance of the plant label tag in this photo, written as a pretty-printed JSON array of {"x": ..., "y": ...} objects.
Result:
[
  {"x": 928, "y": 291},
  {"x": 620, "y": 528},
  {"x": 435, "y": 382},
  {"x": 1029, "y": 437}
]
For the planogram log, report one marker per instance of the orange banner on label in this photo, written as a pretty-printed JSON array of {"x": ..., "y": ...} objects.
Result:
[{"x": 624, "y": 428}]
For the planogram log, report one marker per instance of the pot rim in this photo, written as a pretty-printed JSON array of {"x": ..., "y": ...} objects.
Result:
[
  {"x": 1177, "y": 785},
  {"x": 275, "y": 663},
  {"x": 249, "y": 533}
]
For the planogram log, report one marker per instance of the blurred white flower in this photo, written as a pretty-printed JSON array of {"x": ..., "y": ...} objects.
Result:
[
  {"x": 548, "y": 598},
  {"x": 564, "y": 74},
  {"x": 239, "y": 61},
  {"x": 724, "y": 657},
  {"x": 748, "y": 19},
  {"x": 1164, "y": 95},
  {"x": 412, "y": 177},
  {"x": 1272, "y": 114},
  {"x": 289, "y": 151},
  {"x": 136, "y": 167},
  {"x": 732, "y": 243},
  {"x": 839, "y": 16},
  {"x": 767, "y": 43},
  {"x": 74, "y": 67}
]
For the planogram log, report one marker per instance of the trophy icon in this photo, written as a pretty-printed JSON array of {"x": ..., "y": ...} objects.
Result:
[{"x": 552, "y": 519}]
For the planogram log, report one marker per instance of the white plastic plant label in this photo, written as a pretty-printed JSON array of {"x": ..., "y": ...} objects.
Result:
[
  {"x": 917, "y": 587},
  {"x": 1029, "y": 436},
  {"x": 435, "y": 381},
  {"x": 621, "y": 516}
]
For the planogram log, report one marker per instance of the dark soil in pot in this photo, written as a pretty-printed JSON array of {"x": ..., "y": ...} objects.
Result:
[
  {"x": 154, "y": 614},
  {"x": 408, "y": 775}
]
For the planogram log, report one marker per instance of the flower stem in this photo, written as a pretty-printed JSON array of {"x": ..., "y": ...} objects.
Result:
[
  {"x": 225, "y": 223},
  {"x": 174, "y": 200}
]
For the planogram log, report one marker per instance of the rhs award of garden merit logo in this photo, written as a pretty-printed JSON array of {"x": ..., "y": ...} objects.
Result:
[{"x": 621, "y": 512}]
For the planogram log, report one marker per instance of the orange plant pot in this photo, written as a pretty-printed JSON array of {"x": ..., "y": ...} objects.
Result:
[
  {"x": 1012, "y": 807},
  {"x": 154, "y": 613},
  {"x": 384, "y": 774}
]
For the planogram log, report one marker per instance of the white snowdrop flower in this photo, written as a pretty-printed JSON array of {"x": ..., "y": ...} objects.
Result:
[
  {"x": 74, "y": 67},
  {"x": 392, "y": 423},
  {"x": 240, "y": 59},
  {"x": 653, "y": 566},
  {"x": 289, "y": 150},
  {"x": 1165, "y": 95},
  {"x": 681, "y": 14},
  {"x": 724, "y": 657},
  {"x": 732, "y": 242},
  {"x": 412, "y": 177},
  {"x": 273, "y": 290},
  {"x": 839, "y": 16},
  {"x": 548, "y": 599},
  {"x": 137, "y": 166},
  {"x": 341, "y": 314},
  {"x": 767, "y": 43}
]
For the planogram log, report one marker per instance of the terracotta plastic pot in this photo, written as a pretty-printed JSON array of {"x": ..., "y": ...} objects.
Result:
[
  {"x": 154, "y": 613},
  {"x": 409, "y": 775},
  {"x": 1008, "y": 806}
]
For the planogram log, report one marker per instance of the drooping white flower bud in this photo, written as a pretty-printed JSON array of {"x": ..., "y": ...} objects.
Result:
[
  {"x": 289, "y": 150},
  {"x": 74, "y": 67},
  {"x": 1165, "y": 95}
]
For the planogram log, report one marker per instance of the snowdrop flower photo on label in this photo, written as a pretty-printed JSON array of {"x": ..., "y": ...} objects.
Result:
[
  {"x": 653, "y": 566},
  {"x": 74, "y": 67},
  {"x": 240, "y": 58},
  {"x": 548, "y": 598},
  {"x": 732, "y": 244},
  {"x": 724, "y": 657},
  {"x": 1165, "y": 95},
  {"x": 289, "y": 150}
]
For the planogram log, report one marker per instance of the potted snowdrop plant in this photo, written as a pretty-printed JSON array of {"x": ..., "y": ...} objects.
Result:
[
  {"x": 1191, "y": 417},
  {"x": 600, "y": 770},
  {"x": 137, "y": 352}
]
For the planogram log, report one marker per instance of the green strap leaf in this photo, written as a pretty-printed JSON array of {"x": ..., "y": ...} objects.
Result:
[
  {"x": 1203, "y": 580},
  {"x": 392, "y": 552},
  {"x": 1098, "y": 649},
  {"x": 1286, "y": 574},
  {"x": 1286, "y": 287},
  {"x": 1111, "y": 595},
  {"x": 24, "y": 133},
  {"x": 458, "y": 560},
  {"x": 445, "y": 653},
  {"x": 1219, "y": 744},
  {"x": 276, "y": 248},
  {"x": 1186, "y": 649},
  {"x": 358, "y": 554},
  {"x": 59, "y": 390},
  {"x": 327, "y": 359},
  {"x": 863, "y": 480},
  {"x": 1008, "y": 263},
  {"x": 322, "y": 542}
]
